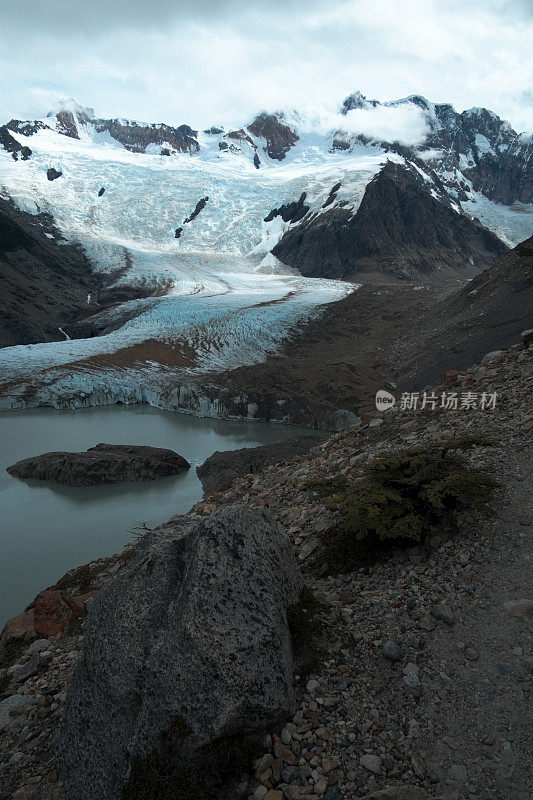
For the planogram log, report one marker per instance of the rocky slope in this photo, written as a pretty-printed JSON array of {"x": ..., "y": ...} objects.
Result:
[
  {"x": 424, "y": 668},
  {"x": 401, "y": 229},
  {"x": 222, "y": 468},
  {"x": 489, "y": 313},
  {"x": 44, "y": 281}
]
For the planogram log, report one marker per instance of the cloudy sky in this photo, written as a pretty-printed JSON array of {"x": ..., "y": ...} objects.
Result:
[{"x": 221, "y": 61}]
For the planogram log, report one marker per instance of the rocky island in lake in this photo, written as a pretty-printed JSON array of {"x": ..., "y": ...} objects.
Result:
[{"x": 104, "y": 463}]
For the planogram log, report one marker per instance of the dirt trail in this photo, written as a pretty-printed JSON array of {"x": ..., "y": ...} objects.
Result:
[{"x": 479, "y": 706}]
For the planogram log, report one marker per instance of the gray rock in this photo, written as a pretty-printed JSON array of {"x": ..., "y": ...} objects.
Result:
[
  {"x": 6, "y": 720},
  {"x": 392, "y": 650},
  {"x": 194, "y": 627},
  {"x": 289, "y": 774},
  {"x": 26, "y": 793},
  {"x": 444, "y": 613},
  {"x": 371, "y": 763},
  {"x": 471, "y": 653},
  {"x": 222, "y": 468},
  {"x": 528, "y": 664},
  {"x": 332, "y": 793},
  {"x": 493, "y": 356},
  {"x": 35, "y": 663},
  {"x": 418, "y": 765},
  {"x": 458, "y": 773},
  {"x": 410, "y": 675},
  {"x": 37, "y": 646},
  {"x": 264, "y": 763},
  {"x": 523, "y": 609}
]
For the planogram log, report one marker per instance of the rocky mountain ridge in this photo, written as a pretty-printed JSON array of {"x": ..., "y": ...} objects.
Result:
[
  {"x": 474, "y": 150},
  {"x": 401, "y": 228},
  {"x": 476, "y": 143}
]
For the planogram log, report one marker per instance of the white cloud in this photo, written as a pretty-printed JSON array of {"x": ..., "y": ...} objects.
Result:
[
  {"x": 211, "y": 62},
  {"x": 404, "y": 123}
]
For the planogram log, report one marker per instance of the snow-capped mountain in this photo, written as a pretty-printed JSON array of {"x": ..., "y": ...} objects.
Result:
[{"x": 192, "y": 217}]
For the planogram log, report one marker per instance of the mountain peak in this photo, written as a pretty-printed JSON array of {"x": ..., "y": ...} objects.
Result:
[
  {"x": 357, "y": 100},
  {"x": 69, "y": 104},
  {"x": 279, "y": 137}
]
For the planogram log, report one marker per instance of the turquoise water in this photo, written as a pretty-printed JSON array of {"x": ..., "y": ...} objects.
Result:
[{"x": 47, "y": 529}]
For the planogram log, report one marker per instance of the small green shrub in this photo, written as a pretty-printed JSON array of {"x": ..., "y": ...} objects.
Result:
[{"x": 401, "y": 498}]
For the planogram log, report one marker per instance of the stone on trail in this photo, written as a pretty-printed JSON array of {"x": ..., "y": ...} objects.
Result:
[
  {"x": 371, "y": 763},
  {"x": 443, "y": 613},
  {"x": 523, "y": 609},
  {"x": 392, "y": 650},
  {"x": 193, "y": 629}
]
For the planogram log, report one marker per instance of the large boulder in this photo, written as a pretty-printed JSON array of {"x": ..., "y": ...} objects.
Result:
[
  {"x": 188, "y": 647},
  {"x": 104, "y": 463}
]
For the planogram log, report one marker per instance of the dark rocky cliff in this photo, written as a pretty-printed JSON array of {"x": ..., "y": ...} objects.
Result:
[
  {"x": 136, "y": 137},
  {"x": 42, "y": 283},
  {"x": 279, "y": 137},
  {"x": 399, "y": 230},
  {"x": 475, "y": 143}
]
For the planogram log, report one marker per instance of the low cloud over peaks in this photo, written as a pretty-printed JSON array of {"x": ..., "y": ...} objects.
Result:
[{"x": 404, "y": 123}]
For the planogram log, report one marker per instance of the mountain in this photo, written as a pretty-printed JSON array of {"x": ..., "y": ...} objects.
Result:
[
  {"x": 188, "y": 233},
  {"x": 470, "y": 151},
  {"x": 44, "y": 281},
  {"x": 134, "y": 136},
  {"x": 401, "y": 229},
  {"x": 487, "y": 314}
]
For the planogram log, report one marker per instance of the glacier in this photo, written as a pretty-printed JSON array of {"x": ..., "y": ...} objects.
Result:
[{"x": 225, "y": 300}]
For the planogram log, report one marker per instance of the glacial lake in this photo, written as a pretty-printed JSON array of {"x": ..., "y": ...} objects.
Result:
[{"x": 46, "y": 529}]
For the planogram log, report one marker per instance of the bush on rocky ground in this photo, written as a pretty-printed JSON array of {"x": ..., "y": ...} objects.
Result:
[{"x": 401, "y": 498}]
